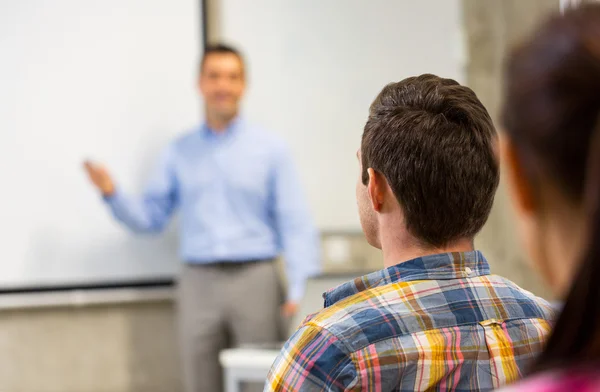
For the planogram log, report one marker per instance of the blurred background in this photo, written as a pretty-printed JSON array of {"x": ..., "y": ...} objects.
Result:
[{"x": 86, "y": 306}]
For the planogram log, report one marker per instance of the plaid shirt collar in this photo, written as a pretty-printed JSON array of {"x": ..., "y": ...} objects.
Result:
[{"x": 432, "y": 267}]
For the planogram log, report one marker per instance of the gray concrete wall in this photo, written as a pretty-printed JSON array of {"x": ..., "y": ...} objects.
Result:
[
  {"x": 492, "y": 27},
  {"x": 101, "y": 348}
]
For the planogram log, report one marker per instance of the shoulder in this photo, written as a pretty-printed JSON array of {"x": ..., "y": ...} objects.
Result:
[
  {"x": 312, "y": 359},
  {"x": 310, "y": 335},
  {"x": 530, "y": 304},
  {"x": 185, "y": 139}
]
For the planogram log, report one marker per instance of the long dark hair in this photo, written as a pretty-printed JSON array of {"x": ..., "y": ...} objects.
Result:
[{"x": 551, "y": 113}]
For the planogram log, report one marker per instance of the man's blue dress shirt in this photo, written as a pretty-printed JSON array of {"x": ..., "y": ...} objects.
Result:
[{"x": 240, "y": 199}]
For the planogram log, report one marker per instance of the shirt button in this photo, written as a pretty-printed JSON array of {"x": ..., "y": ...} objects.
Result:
[{"x": 468, "y": 270}]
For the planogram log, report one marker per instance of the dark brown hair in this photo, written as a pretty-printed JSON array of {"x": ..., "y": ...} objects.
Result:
[
  {"x": 433, "y": 141},
  {"x": 219, "y": 48},
  {"x": 552, "y": 104}
]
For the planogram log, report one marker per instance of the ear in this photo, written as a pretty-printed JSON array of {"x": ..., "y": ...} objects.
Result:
[
  {"x": 519, "y": 188},
  {"x": 375, "y": 189}
]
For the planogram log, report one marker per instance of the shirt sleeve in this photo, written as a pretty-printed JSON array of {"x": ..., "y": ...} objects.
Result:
[
  {"x": 313, "y": 359},
  {"x": 150, "y": 212},
  {"x": 298, "y": 235}
]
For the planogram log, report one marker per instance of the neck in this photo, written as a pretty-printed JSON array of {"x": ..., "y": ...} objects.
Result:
[
  {"x": 398, "y": 248},
  {"x": 219, "y": 123}
]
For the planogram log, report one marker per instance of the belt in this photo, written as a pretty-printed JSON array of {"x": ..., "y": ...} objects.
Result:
[{"x": 230, "y": 263}]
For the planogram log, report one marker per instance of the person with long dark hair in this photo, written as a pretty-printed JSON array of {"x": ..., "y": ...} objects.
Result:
[{"x": 551, "y": 148}]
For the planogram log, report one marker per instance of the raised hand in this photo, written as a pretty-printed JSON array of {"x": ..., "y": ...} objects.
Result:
[{"x": 100, "y": 177}]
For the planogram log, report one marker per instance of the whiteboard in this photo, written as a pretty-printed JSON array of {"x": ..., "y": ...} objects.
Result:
[
  {"x": 315, "y": 67},
  {"x": 110, "y": 80}
]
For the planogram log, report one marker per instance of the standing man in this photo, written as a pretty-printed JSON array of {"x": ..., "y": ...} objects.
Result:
[{"x": 241, "y": 203}]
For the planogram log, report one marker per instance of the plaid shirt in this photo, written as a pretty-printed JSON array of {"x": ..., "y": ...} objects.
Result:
[{"x": 436, "y": 323}]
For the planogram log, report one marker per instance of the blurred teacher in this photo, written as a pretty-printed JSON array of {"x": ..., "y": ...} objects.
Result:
[{"x": 241, "y": 203}]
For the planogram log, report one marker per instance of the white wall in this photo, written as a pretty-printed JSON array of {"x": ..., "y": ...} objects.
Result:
[
  {"x": 112, "y": 80},
  {"x": 315, "y": 67}
]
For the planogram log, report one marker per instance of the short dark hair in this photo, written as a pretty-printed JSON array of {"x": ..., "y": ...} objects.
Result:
[
  {"x": 434, "y": 142},
  {"x": 220, "y": 48}
]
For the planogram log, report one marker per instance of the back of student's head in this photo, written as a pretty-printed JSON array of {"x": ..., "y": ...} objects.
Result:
[
  {"x": 551, "y": 116},
  {"x": 434, "y": 142}
]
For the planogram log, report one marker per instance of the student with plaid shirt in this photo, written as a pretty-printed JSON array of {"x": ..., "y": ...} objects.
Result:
[{"x": 435, "y": 318}]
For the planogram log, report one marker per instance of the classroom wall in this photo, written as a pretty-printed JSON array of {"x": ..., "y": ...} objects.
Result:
[
  {"x": 314, "y": 68},
  {"x": 493, "y": 27},
  {"x": 110, "y": 347}
]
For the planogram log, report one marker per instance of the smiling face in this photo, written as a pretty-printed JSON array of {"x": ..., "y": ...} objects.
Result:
[{"x": 222, "y": 84}]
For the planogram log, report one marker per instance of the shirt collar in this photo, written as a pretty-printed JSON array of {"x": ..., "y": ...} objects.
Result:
[
  {"x": 433, "y": 267},
  {"x": 231, "y": 129}
]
